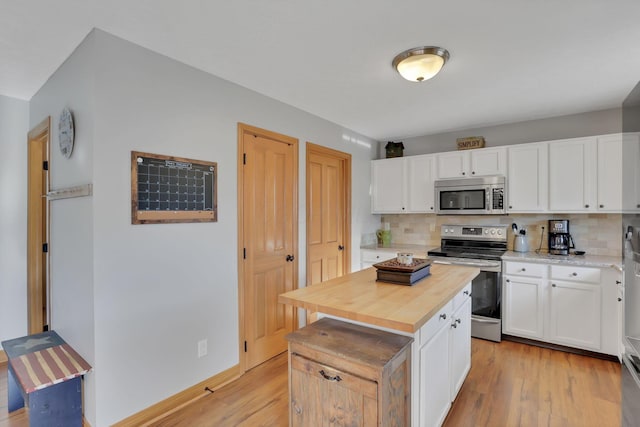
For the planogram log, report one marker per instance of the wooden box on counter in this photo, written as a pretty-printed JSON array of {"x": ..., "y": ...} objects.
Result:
[{"x": 345, "y": 374}]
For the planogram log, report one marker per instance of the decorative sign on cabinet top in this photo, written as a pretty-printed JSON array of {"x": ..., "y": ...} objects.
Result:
[{"x": 470, "y": 142}]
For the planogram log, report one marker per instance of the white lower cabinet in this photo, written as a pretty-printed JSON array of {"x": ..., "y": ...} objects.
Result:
[
  {"x": 443, "y": 358},
  {"x": 523, "y": 307},
  {"x": 435, "y": 400},
  {"x": 575, "y": 313},
  {"x": 460, "y": 347},
  {"x": 368, "y": 257},
  {"x": 568, "y": 305}
]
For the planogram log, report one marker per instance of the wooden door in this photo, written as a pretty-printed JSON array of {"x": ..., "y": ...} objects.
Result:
[
  {"x": 328, "y": 218},
  {"x": 268, "y": 241},
  {"x": 37, "y": 227}
]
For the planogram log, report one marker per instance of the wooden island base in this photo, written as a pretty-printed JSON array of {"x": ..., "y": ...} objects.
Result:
[{"x": 341, "y": 371}]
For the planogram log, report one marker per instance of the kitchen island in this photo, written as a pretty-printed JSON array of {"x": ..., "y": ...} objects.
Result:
[{"x": 435, "y": 312}]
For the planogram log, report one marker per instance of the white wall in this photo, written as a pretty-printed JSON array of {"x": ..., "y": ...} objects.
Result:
[
  {"x": 14, "y": 125},
  {"x": 71, "y": 220},
  {"x": 150, "y": 292},
  {"x": 571, "y": 126}
]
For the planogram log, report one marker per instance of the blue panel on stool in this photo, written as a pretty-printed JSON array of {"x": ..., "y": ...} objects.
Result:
[
  {"x": 14, "y": 392},
  {"x": 57, "y": 406}
]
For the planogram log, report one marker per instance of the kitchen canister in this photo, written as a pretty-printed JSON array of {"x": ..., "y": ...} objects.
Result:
[{"x": 520, "y": 243}]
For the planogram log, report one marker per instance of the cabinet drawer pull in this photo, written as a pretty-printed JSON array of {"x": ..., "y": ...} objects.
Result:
[
  {"x": 508, "y": 281},
  {"x": 602, "y": 206},
  {"x": 586, "y": 206},
  {"x": 466, "y": 292},
  {"x": 443, "y": 316},
  {"x": 523, "y": 269},
  {"x": 329, "y": 377},
  {"x": 619, "y": 299},
  {"x": 574, "y": 274},
  {"x": 553, "y": 285}
]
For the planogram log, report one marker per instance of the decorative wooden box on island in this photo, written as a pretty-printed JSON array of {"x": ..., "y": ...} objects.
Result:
[{"x": 435, "y": 312}]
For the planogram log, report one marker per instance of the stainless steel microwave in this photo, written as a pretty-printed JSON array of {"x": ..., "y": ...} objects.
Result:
[{"x": 471, "y": 196}]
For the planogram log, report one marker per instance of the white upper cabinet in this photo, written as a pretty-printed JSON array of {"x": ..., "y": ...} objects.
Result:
[
  {"x": 573, "y": 175},
  {"x": 388, "y": 185},
  {"x": 631, "y": 172},
  {"x": 403, "y": 184},
  {"x": 467, "y": 163},
  {"x": 610, "y": 173},
  {"x": 489, "y": 161},
  {"x": 421, "y": 172},
  {"x": 453, "y": 164},
  {"x": 527, "y": 183}
]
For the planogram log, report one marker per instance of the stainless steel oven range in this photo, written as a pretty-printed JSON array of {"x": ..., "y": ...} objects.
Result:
[{"x": 479, "y": 246}]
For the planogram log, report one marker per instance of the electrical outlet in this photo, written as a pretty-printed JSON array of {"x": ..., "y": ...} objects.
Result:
[{"x": 202, "y": 348}]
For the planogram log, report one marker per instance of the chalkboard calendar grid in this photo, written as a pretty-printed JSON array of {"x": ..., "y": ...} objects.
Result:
[{"x": 172, "y": 189}]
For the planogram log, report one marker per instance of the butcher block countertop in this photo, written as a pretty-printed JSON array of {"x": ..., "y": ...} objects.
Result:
[{"x": 357, "y": 296}]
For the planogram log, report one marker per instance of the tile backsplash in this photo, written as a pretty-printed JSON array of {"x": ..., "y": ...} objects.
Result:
[{"x": 597, "y": 234}]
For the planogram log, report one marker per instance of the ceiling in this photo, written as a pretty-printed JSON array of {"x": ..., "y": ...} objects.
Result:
[{"x": 511, "y": 60}]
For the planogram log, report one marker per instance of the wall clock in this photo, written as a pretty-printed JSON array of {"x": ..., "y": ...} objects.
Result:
[{"x": 66, "y": 133}]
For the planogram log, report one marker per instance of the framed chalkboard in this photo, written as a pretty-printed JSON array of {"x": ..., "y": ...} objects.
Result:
[{"x": 166, "y": 189}]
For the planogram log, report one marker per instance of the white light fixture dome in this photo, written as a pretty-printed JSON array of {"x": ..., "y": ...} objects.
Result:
[{"x": 420, "y": 63}]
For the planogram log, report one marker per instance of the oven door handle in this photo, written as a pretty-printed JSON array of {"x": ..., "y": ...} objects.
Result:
[{"x": 493, "y": 322}]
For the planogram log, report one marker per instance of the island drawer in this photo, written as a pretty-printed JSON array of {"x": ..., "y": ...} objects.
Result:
[
  {"x": 524, "y": 269},
  {"x": 461, "y": 297},
  {"x": 578, "y": 274},
  {"x": 437, "y": 321},
  {"x": 374, "y": 256}
]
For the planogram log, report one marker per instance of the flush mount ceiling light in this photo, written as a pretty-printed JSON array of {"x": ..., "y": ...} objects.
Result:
[{"x": 420, "y": 63}]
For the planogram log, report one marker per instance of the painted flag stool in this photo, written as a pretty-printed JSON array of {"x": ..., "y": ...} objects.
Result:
[{"x": 46, "y": 373}]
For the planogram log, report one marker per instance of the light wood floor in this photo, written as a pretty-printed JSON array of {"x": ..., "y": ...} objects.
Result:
[{"x": 510, "y": 384}]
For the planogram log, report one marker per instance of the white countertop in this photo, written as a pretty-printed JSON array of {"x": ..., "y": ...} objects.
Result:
[{"x": 580, "y": 260}]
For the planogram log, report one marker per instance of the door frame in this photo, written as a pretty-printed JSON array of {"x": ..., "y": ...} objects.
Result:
[
  {"x": 38, "y": 292},
  {"x": 242, "y": 129},
  {"x": 345, "y": 159}
]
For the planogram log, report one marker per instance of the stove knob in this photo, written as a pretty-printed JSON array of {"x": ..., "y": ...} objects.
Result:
[
  {"x": 499, "y": 232},
  {"x": 486, "y": 231},
  {"x": 493, "y": 231}
]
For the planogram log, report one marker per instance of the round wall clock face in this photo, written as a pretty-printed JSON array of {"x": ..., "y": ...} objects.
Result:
[{"x": 65, "y": 133}]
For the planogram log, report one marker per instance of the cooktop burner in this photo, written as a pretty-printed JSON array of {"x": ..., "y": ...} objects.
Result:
[{"x": 489, "y": 254}]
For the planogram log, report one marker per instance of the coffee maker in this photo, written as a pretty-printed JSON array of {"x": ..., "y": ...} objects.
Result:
[{"x": 560, "y": 240}]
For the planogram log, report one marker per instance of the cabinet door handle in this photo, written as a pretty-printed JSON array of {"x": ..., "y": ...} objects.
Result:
[
  {"x": 602, "y": 206},
  {"x": 458, "y": 321},
  {"x": 510, "y": 207},
  {"x": 574, "y": 274},
  {"x": 618, "y": 282},
  {"x": 443, "y": 316},
  {"x": 619, "y": 299},
  {"x": 290, "y": 258},
  {"x": 586, "y": 206},
  {"x": 553, "y": 285},
  {"x": 329, "y": 377},
  {"x": 466, "y": 292},
  {"x": 340, "y": 248},
  {"x": 523, "y": 269},
  {"x": 464, "y": 173},
  {"x": 473, "y": 172},
  {"x": 508, "y": 281}
]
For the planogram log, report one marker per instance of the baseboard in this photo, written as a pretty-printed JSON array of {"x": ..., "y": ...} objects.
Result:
[
  {"x": 162, "y": 409},
  {"x": 3, "y": 357},
  {"x": 559, "y": 347}
]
